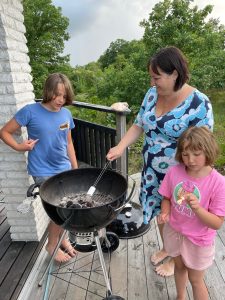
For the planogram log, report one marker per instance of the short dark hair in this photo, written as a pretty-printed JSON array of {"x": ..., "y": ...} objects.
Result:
[
  {"x": 169, "y": 59},
  {"x": 198, "y": 138},
  {"x": 51, "y": 85}
]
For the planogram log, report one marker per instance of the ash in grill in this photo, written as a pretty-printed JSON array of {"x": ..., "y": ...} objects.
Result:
[{"x": 85, "y": 201}]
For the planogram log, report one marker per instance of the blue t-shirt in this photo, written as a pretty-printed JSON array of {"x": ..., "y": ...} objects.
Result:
[{"x": 49, "y": 155}]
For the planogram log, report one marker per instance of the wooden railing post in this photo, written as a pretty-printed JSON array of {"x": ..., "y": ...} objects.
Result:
[{"x": 122, "y": 165}]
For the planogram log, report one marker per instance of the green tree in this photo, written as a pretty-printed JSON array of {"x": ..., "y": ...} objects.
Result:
[
  {"x": 45, "y": 32},
  {"x": 126, "y": 79},
  {"x": 176, "y": 22}
]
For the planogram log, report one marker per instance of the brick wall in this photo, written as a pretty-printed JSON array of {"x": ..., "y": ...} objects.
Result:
[{"x": 16, "y": 90}]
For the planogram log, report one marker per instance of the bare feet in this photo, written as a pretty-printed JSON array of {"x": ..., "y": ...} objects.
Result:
[
  {"x": 68, "y": 248},
  {"x": 60, "y": 256},
  {"x": 158, "y": 257},
  {"x": 166, "y": 269}
]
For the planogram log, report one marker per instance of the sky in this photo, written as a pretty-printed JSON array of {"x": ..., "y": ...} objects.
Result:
[{"x": 94, "y": 24}]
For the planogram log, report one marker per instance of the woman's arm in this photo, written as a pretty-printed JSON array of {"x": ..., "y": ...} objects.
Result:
[
  {"x": 6, "y": 134},
  {"x": 129, "y": 138},
  {"x": 71, "y": 152}
]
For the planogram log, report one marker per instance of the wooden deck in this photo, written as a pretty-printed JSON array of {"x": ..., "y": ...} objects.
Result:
[
  {"x": 132, "y": 275},
  {"x": 16, "y": 260}
]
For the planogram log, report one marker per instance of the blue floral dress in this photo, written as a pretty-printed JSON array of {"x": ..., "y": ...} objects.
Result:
[{"x": 161, "y": 134}]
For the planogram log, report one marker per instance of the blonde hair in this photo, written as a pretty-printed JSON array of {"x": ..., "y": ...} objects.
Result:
[
  {"x": 51, "y": 87},
  {"x": 198, "y": 138}
]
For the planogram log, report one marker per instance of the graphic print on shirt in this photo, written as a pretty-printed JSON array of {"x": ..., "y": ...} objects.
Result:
[
  {"x": 181, "y": 190},
  {"x": 64, "y": 126}
]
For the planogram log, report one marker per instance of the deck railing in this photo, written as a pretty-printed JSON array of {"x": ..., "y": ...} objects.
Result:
[{"x": 93, "y": 141}]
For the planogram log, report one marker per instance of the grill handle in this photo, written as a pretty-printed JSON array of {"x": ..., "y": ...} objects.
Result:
[
  {"x": 129, "y": 197},
  {"x": 30, "y": 191}
]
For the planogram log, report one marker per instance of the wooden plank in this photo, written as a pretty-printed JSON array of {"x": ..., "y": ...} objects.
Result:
[
  {"x": 33, "y": 252},
  {"x": 18, "y": 268},
  {"x": 137, "y": 285},
  {"x": 157, "y": 288},
  {"x": 4, "y": 228},
  {"x": 97, "y": 149},
  {"x": 2, "y": 214},
  {"x": 80, "y": 277},
  {"x": 9, "y": 259},
  {"x": 92, "y": 146},
  {"x": 96, "y": 285},
  {"x": 87, "y": 146},
  {"x": 37, "y": 292},
  {"x": 5, "y": 243},
  {"x": 61, "y": 282},
  {"x": 118, "y": 269},
  {"x": 103, "y": 150},
  {"x": 220, "y": 255},
  {"x": 82, "y": 143},
  {"x": 215, "y": 275},
  {"x": 113, "y": 143}
]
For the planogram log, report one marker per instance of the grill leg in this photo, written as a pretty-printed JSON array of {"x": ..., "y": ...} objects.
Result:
[
  {"x": 52, "y": 258},
  {"x": 102, "y": 261}
]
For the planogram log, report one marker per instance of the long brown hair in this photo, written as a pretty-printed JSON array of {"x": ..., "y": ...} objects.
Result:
[{"x": 51, "y": 86}]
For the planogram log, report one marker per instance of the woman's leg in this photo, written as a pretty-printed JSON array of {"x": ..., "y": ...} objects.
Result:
[
  {"x": 181, "y": 277},
  {"x": 53, "y": 237},
  {"x": 198, "y": 285}
]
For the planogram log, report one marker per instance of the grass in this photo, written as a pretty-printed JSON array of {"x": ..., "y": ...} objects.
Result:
[{"x": 218, "y": 102}]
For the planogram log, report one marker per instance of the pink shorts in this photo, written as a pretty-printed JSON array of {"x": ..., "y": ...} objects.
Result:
[{"x": 194, "y": 256}]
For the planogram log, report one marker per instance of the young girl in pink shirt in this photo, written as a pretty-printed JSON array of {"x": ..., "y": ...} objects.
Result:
[{"x": 193, "y": 208}]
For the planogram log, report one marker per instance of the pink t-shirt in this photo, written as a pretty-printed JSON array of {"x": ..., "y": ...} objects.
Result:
[{"x": 209, "y": 190}]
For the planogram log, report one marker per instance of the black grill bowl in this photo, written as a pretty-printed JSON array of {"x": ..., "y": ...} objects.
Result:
[{"x": 79, "y": 181}]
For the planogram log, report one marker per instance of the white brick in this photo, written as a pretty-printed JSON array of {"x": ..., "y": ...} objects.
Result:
[
  {"x": 25, "y": 98},
  {"x": 25, "y": 237},
  {"x": 23, "y": 229},
  {"x": 23, "y": 222},
  {"x": 16, "y": 90}
]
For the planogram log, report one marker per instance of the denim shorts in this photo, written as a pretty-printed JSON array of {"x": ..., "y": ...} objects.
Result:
[{"x": 40, "y": 179}]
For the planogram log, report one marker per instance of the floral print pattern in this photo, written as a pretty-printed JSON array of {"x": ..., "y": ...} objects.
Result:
[{"x": 161, "y": 135}]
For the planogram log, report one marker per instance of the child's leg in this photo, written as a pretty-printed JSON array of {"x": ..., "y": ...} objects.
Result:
[
  {"x": 53, "y": 237},
  {"x": 161, "y": 254},
  {"x": 181, "y": 278},
  {"x": 198, "y": 285}
]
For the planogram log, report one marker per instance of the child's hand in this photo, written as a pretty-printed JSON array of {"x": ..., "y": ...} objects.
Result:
[
  {"x": 163, "y": 218},
  {"x": 192, "y": 200},
  {"x": 27, "y": 145}
]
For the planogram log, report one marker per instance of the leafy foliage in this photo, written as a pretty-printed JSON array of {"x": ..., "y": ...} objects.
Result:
[
  {"x": 177, "y": 23},
  {"x": 120, "y": 73},
  {"x": 45, "y": 32}
]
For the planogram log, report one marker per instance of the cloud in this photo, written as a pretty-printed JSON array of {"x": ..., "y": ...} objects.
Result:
[{"x": 94, "y": 24}]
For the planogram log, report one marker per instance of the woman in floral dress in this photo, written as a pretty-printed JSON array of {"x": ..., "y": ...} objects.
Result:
[{"x": 170, "y": 106}]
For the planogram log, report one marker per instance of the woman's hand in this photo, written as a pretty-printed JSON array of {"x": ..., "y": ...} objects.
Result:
[
  {"x": 114, "y": 153},
  {"x": 129, "y": 138}
]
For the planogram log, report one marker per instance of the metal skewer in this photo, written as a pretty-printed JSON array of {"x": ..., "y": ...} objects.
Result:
[{"x": 92, "y": 189}]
